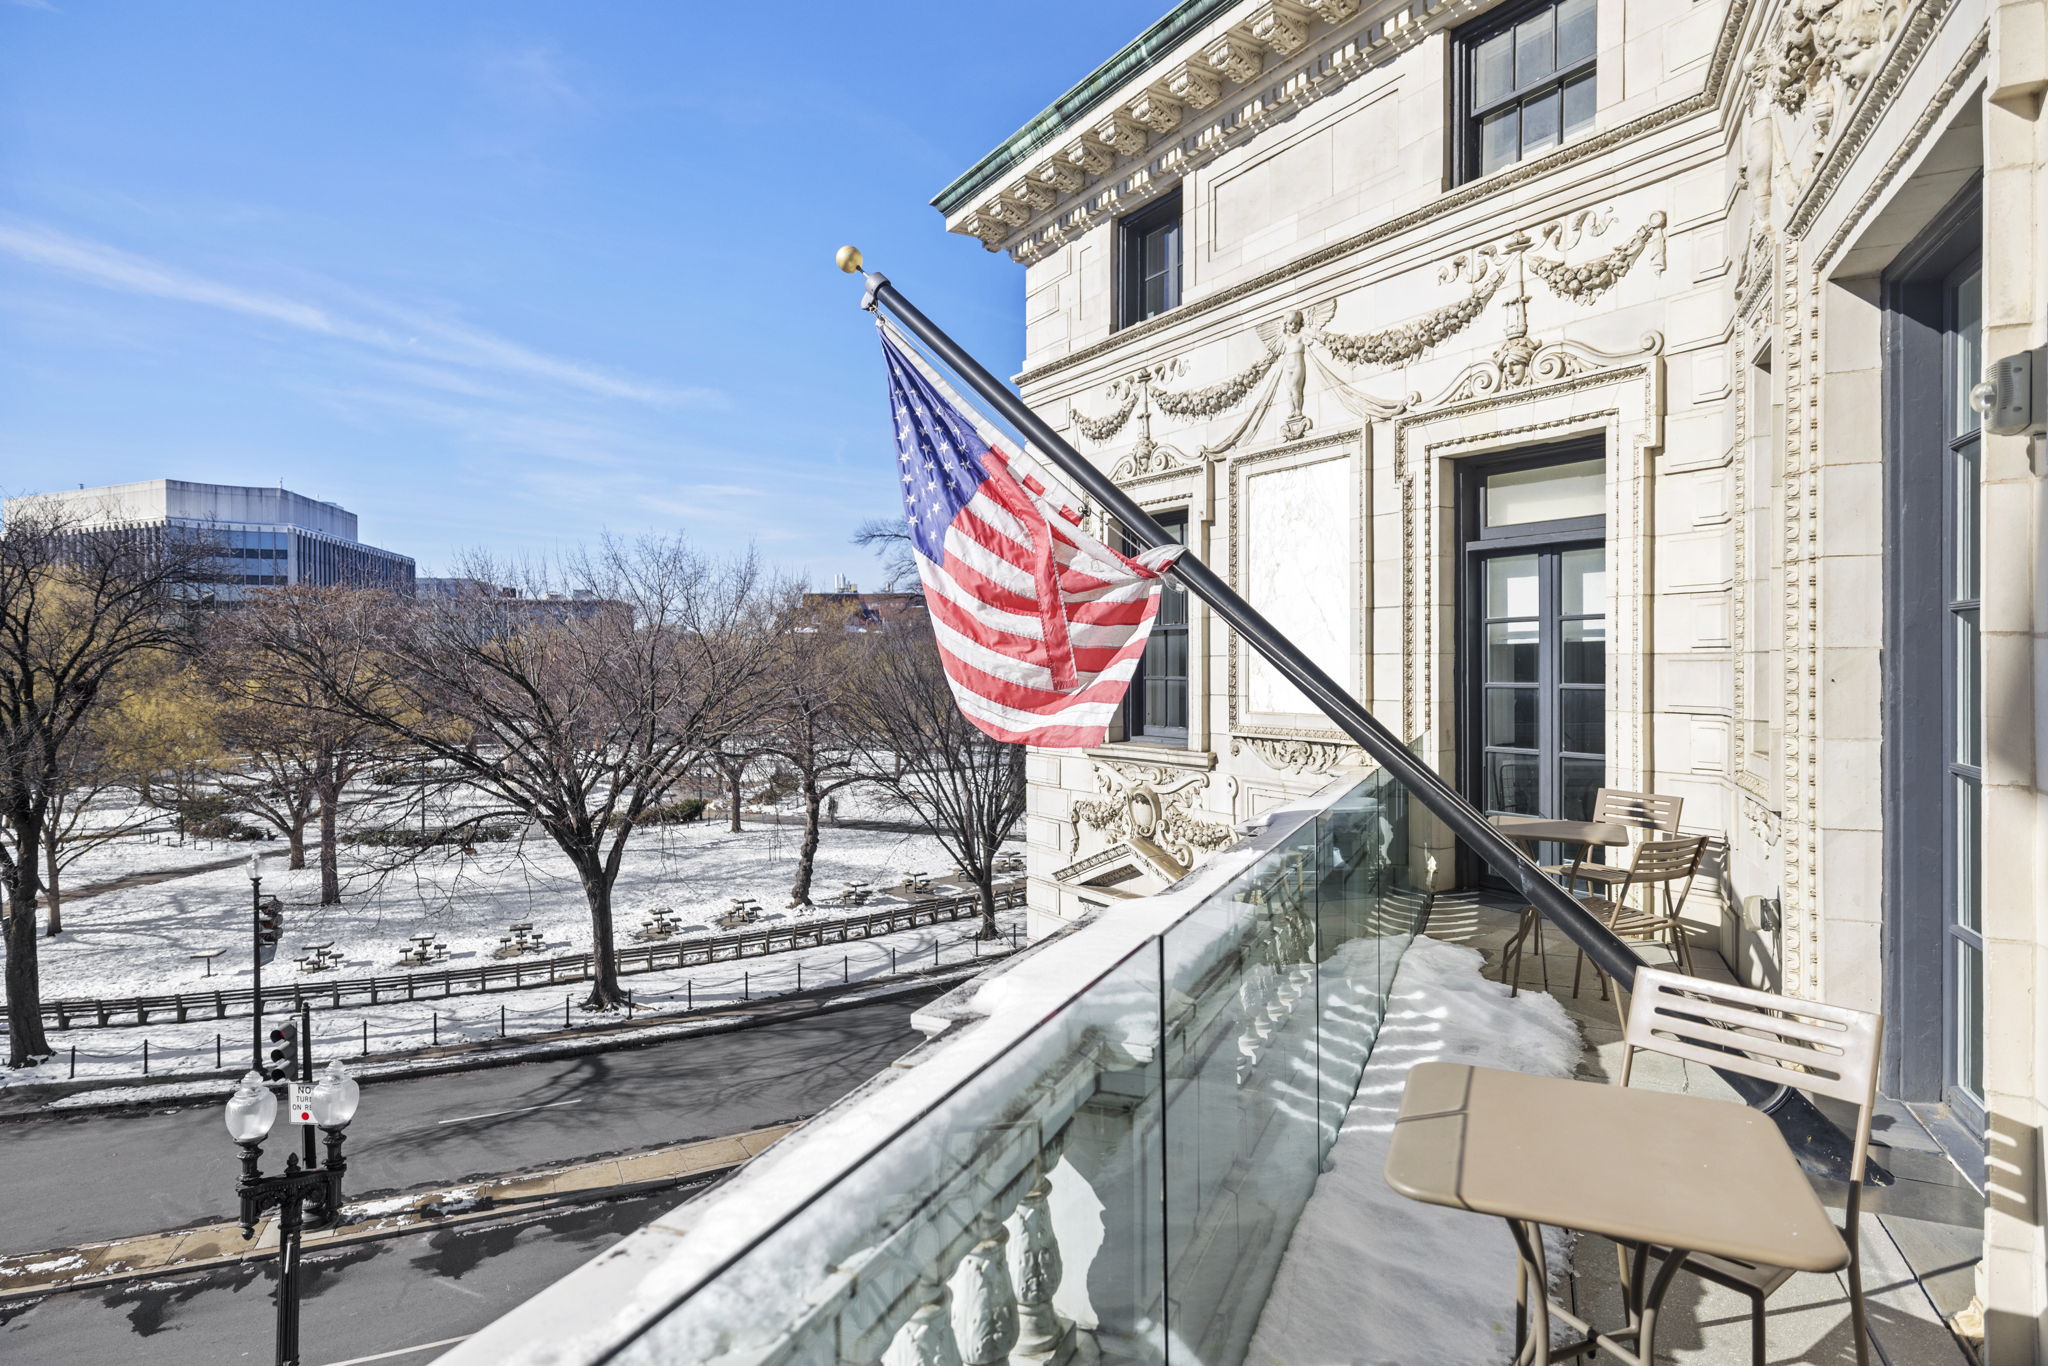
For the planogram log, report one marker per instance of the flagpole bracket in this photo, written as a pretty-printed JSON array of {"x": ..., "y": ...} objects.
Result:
[{"x": 871, "y": 300}]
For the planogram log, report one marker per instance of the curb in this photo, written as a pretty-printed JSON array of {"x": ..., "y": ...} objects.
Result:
[
  {"x": 41, "y": 1100},
  {"x": 208, "y": 1246}
]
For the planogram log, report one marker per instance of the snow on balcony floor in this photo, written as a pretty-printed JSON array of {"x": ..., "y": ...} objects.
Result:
[{"x": 1370, "y": 1277}]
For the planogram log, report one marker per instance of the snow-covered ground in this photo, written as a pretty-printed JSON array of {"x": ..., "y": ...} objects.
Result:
[
  {"x": 1371, "y": 1278},
  {"x": 116, "y": 1053},
  {"x": 140, "y": 940}
]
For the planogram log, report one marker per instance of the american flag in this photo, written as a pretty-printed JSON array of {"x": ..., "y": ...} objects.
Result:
[{"x": 1039, "y": 624}]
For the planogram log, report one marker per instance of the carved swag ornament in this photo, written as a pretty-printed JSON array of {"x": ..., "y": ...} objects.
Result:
[
  {"x": 1153, "y": 803},
  {"x": 1292, "y": 340}
]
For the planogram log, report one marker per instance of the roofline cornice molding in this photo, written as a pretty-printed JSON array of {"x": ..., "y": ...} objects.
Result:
[
  {"x": 1211, "y": 88},
  {"x": 1712, "y": 96}
]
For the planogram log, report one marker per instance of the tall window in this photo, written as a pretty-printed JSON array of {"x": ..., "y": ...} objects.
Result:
[
  {"x": 1148, "y": 246},
  {"x": 1156, "y": 707},
  {"x": 1526, "y": 82},
  {"x": 1934, "y": 717}
]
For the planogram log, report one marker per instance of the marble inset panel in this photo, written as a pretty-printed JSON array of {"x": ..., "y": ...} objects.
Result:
[{"x": 1296, "y": 568}]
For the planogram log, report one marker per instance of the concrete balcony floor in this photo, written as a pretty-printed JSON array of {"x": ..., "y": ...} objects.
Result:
[{"x": 1921, "y": 1237}]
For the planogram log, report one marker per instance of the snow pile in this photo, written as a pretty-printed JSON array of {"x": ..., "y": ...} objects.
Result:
[{"x": 1370, "y": 1277}]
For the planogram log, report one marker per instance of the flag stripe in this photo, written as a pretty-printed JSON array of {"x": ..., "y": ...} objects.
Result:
[{"x": 1040, "y": 626}]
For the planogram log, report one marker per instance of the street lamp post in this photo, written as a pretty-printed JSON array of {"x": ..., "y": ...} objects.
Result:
[
  {"x": 256, "y": 961},
  {"x": 299, "y": 1194}
]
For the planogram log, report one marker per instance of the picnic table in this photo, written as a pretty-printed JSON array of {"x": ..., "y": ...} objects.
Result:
[
  {"x": 425, "y": 949},
  {"x": 319, "y": 957},
  {"x": 207, "y": 956}
]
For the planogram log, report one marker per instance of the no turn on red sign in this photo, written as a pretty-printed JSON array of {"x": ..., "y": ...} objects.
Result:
[{"x": 299, "y": 1102}]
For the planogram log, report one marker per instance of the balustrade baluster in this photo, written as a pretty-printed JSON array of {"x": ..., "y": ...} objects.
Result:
[
  {"x": 1042, "y": 1335},
  {"x": 927, "y": 1338},
  {"x": 985, "y": 1317}
]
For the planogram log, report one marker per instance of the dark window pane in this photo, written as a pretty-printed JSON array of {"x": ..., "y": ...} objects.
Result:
[
  {"x": 1499, "y": 140},
  {"x": 1511, "y": 652},
  {"x": 1968, "y": 856},
  {"x": 1965, "y": 509},
  {"x": 1584, "y": 655},
  {"x": 1493, "y": 70},
  {"x": 1511, "y": 783},
  {"x": 1968, "y": 727},
  {"x": 1511, "y": 586},
  {"x": 1511, "y": 717},
  {"x": 1535, "y": 53},
  {"x": 1575, "y": 34},
  {"x": 1578, "y": 105},
  {"x": 1582, "y": 779},
  {"x": 1584, "y": 720},
  {"x": 1539, "y": 122},
  {"x": 1969, "y": 1018},
  {"x": 1583, "y": 574}
]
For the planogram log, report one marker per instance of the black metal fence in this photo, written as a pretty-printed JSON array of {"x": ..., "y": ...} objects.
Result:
[{"x": 517, "y": 973}]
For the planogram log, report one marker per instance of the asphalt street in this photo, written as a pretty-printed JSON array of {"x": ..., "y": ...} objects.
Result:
[
  {"x": 82, "y": 1178},
  {"x": 372, "y": 1300}
]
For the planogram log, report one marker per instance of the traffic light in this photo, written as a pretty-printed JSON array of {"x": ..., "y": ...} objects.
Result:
[
  {"x": 269, "y": 927},
  {"x": 284, "y": 1058}
]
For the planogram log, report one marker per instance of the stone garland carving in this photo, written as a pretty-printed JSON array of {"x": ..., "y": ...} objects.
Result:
[
  {"x": 1397, "y": 344},
  {"x": 1284, "y": 754},
  {"x": 1217, "y": 398},
  {"x": 1103, "y": 428},
  {"x": 1150, "y": 802},
  {"x": 1588, "y": 280}
]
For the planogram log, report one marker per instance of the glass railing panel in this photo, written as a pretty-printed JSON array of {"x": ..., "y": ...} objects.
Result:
[
  {"x": 1277, "y": 985},
  {"x": 1019, "y": 1205}
]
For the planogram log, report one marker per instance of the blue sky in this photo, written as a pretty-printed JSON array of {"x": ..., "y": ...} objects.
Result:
[{"x": 498, "y": 273}]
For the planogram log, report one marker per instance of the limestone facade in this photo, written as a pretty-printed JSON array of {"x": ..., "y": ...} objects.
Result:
[{"x": 1694, "y": 287}]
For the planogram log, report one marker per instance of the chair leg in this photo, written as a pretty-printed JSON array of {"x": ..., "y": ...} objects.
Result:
[
  {"x": 1542, "y": 957},
  {"x": 1859, "y": 1320},
  {"x": 1757, "y": 1350}
]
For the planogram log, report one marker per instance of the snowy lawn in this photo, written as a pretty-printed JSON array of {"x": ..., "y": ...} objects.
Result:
[
  {"x": 140, "y": 940},
  {"x": 116, "y": 1053},
  {"x": 1371, "y": 1278}
]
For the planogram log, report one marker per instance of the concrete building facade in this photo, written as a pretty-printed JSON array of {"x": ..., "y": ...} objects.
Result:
[
  {"x": 1588, "y": 384},
  {"x": 270, "y": 537}
]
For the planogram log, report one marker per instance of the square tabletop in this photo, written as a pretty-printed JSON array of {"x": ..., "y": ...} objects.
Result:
[
  {"x": 1650, "y": 1167},
  {"x": 1564, "y": 832}
]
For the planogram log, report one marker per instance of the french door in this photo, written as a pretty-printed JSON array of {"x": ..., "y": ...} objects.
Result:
[{"x": 1534, "y": 635}]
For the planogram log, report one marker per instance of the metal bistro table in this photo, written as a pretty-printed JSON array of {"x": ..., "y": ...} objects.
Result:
[
  {"x": 1533, "y": 830},
  {"x": 1659, "y": 1173}
]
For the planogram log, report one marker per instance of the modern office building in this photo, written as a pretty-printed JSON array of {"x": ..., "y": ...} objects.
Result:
[{"x": 271, "y": 536}]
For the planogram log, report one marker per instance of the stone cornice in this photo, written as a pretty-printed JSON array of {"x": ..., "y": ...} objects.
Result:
[
  {"x": 1712, "y": 95},
  {"x": 1179, "y": 107}
]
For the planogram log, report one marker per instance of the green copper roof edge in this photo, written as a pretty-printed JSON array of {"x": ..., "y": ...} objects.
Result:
[{"x": 1058, "y": 116}]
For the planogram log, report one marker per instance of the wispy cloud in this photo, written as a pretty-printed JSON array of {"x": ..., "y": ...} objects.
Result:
[
  {"x": 393, "y": 329},
  {"x": 530, "y": 76},
  {"x": 34, "y": 4}
]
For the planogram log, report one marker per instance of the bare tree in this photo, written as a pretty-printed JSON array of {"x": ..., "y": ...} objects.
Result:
[
  {"x": 580, "y": 714},
  {"x": 890, "y": 540},
  {"x": 75, "y": 607},
  {"x": 810, "y": 725},
  {"x": 296, "y": 751},
  {"x": 730, "y": 758},
  {"x": 966, "y": 787}
]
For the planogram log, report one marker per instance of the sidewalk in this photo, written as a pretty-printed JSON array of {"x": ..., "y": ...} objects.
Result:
[{"x": 28, "y": 1274}]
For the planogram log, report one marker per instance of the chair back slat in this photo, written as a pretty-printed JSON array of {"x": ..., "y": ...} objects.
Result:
[
  {"x": 1808, "y": 1045},
  {"x": 1666, "y": 860},
  {"x": 1643, "y": 810}
]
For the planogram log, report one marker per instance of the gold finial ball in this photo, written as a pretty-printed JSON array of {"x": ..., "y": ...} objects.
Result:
[{"x": 849, "y": 260}]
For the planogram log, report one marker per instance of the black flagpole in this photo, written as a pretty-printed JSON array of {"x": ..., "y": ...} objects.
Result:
[{"x": 1818, "y": 1143}]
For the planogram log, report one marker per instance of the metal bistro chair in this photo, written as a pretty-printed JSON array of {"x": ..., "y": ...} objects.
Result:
[
  {"x": 1656, "y": 865},
  {"x": 1806, "y": 1045},
  {"x": 1650, "y": 812}
]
